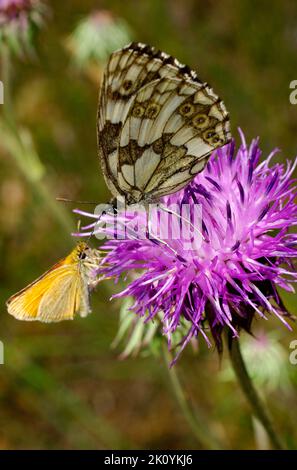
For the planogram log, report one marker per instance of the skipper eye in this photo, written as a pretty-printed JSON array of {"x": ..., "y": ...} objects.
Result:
[{"x": 82, "y": 255}]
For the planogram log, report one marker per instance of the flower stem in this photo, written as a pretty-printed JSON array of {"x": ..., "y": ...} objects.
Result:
[
  {"x": 198, "y": 425},
  {"x": 247, "y": 386}
]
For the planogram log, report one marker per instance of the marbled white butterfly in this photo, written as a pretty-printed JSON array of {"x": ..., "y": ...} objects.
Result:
[{"x": 157, "y": 124}]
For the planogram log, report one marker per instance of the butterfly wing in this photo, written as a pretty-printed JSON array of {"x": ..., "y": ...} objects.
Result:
[
  {"x": 62, "y": 300},
  {"x": 157, "y": 124},
  {"x": 128, "y": 70},
  {"x": 171, "y": 128},
  {"x": 57, "y": 295}
]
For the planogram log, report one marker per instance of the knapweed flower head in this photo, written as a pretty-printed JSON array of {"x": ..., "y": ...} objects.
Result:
[
  {"x": 19, "y": 20},
  {"x": 230, "y": 274}
]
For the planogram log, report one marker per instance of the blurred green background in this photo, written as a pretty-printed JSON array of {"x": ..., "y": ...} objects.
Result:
[{"x": 62, "y": 386}]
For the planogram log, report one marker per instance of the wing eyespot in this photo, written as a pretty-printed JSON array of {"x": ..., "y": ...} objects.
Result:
[
  {"x": 200, "y": 121},
  {"x": 209, "y": 134},
  {"x": 216, "y": 140},
  {"x": 138, "y": 111},
  {"x": 187, "y": 109},
  {"x": 152, "y": 110},
  {"x": 212, "y": 137}
]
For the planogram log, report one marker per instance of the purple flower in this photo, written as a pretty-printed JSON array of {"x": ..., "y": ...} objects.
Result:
[
  {"x": 15, "y": 11},
  {"x": 233, "y": 273},
  {"x": 18, "y": 19}
]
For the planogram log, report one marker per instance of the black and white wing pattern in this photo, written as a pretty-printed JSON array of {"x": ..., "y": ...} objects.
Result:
[{"x": 157, "y": 124}]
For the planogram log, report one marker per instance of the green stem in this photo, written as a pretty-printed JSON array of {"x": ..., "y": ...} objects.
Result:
[
  {"x": 247, "y": 386},
  {"x": 196, "y": 423}
]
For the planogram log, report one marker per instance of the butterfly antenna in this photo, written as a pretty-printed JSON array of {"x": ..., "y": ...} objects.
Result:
[
  {"x": 64, "y": 199},
  {"x": 133, "y": 233},
  {"x": 163, "y": 242}
]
